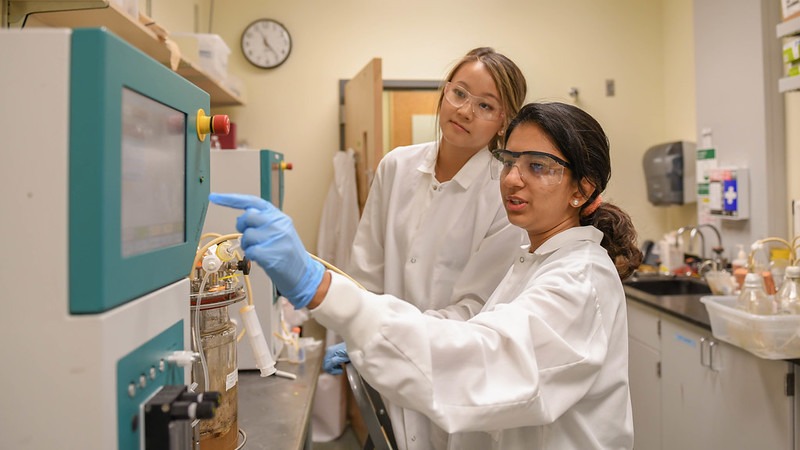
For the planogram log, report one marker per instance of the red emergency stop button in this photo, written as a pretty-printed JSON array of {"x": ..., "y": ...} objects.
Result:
[{"x": 218, "y": 124}]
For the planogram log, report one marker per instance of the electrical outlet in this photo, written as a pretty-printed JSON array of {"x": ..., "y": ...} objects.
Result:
[{"x": 610, "y": 88}]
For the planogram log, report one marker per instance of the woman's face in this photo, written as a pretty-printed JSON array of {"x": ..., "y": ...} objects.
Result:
[
  {"x": 542, "y": 210},
  {"x": 461, "y": 128}
]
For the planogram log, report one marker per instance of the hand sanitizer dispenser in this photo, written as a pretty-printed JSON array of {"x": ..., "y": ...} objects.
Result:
[{"x": 669, "y": 171}]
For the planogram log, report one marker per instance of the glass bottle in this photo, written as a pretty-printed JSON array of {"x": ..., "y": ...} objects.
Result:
[
  {"x": 218, "y": 341},
  {"x": 779, "y": 260},
  {"x": 788, "y": 295},
  {"x": 753, "y": 298}
]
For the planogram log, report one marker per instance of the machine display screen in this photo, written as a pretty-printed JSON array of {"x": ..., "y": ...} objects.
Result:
[{"x": 153, "y": 175}]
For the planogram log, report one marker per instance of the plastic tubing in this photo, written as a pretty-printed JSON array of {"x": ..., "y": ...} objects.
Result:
[
  {"x": 333, "y": 268},
  {"x": 761, "y": 243},
  {"x": 197, "y": 340},
  {"x": 795, "y": 249},
  {"x": 205, "y": 248}
]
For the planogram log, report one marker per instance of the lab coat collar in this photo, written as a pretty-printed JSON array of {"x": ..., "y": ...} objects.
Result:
[
  {"x": 585, "y": 233},
  {"x": 469, "y": 173}
]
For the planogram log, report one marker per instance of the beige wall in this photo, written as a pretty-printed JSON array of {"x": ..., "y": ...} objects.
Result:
[
  {"x": 793, "y": 147},
  {"x": 646, "y": 47}
]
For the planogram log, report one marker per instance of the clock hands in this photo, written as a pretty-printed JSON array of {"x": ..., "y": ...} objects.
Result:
[{"x": 266, "y": 43}]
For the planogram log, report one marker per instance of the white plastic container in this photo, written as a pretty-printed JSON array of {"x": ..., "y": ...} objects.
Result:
[
  {"x": 131, "y": 7},
  {"x": 209, "y": 51},
  {"x": 768, "y": 337}
]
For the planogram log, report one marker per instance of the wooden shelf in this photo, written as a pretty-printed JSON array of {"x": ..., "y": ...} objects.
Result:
[
  {"x": 221, "y": 95},
  {"x": 117, "y": 21}
]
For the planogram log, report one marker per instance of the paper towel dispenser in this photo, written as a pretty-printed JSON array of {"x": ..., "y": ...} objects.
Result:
[{"x": 669, "y": 170}]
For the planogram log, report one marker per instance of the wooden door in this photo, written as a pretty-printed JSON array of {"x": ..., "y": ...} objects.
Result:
[
  {"x": 363, "y": 117},
  {"x": 404, "y": 106}
]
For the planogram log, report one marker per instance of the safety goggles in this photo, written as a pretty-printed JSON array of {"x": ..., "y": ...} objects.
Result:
[
  {"x": 482, "y": 107},
  {"x": 533, "y": 166}
]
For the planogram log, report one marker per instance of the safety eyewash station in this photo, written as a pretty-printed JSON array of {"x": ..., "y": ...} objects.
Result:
[{"x": 133, "y": 321}]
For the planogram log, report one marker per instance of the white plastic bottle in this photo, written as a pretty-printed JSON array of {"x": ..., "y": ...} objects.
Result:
[
  {"x": 789, "y": 294},
  {"x": 753, "y": 298}
]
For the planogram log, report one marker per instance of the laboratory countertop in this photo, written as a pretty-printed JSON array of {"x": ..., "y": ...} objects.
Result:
[
  {"x": 692, "y": 311},
  {"x": 274, "y": 411}
]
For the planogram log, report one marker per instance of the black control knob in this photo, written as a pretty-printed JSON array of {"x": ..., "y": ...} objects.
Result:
[
  {"x": 206, "y": 410},
  {"x": 211, "y": 396},
  {"x": 244, "y": 266}
]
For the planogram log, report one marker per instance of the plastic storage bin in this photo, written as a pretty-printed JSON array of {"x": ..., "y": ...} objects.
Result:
[
  {"x": 769, "y": 337},
  {"x": 131, "y": 7},
  {"x": 209, "y": 51}
]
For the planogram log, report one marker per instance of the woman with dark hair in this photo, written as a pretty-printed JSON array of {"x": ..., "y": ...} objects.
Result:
[{"x": 544, "y": 364}]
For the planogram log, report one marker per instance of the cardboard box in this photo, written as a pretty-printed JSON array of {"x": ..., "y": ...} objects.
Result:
[
  {"x": 790, "y": 9},
  {"x": 791, "y": 51}
]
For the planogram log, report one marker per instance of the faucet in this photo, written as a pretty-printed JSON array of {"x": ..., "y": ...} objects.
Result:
[
  {"x": 693, "y": 232},
  {"x": 721, "y": 263}
]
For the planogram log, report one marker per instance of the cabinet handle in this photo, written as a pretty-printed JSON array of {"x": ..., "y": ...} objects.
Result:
[
  {"x": 711, "y": 346},
  {"x": 702, "y": 351}
]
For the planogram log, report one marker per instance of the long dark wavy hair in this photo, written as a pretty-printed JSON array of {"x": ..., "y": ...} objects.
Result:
[{"x": 579, "y": 137}]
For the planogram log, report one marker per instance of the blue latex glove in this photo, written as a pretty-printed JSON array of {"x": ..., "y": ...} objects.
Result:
[
  {"x": 269, "y": 239},
  {"x": 335, "y": 356}
]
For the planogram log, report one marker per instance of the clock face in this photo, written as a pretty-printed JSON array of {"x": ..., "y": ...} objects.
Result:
[{"x": 266, "y": 43}]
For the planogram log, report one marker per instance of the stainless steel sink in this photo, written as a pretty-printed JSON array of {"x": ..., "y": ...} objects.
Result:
[{"x": 661, "y": 287}]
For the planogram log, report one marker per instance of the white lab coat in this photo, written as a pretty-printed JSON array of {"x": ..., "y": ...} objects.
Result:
[
  {"x": 439, "y": 246},
  {"x": 337, "y": 227},
  {"x": 442, "y": 247},
  {"x": 543, "y": 366}
]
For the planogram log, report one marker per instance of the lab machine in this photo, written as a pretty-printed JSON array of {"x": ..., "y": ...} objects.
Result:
[
  {"x": 260, "y": 173},
  {"x": 105, "y": 185}
]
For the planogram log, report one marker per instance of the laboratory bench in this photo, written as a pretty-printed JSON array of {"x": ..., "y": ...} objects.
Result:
[{"x": 275, "y": 412}]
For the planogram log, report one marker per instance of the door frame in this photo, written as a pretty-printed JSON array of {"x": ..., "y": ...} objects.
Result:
[{"x": 388, "y": 85}]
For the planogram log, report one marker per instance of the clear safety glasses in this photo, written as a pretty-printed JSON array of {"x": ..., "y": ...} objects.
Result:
[
  {"x": 533, "y": 166},
  {"x": 483, "y": 108}
]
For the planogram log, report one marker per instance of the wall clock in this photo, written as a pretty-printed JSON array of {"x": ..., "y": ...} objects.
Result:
[{"x": 266, "y": 43}]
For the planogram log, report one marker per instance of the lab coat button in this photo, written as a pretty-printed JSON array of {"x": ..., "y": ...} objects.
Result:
[
  {"x": 413, "y": 439},
  {"x": 522, "y": 259},
  {"x": 413, "y": 260}
]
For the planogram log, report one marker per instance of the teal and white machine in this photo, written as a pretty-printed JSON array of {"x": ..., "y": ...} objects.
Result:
[
  {"x": 261, "y": 173},
  {"x": 105, "y": 182}
]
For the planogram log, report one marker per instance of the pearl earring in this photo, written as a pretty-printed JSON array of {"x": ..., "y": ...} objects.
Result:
[{"x": 575, "y": 202}]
